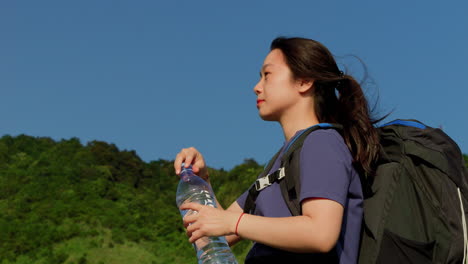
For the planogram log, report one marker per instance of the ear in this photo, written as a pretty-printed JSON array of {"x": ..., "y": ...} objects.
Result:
[{"x": 305, "y": 85}]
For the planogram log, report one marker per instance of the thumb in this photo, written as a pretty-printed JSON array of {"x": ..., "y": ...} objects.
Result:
[{"x": 191, "y": 206}]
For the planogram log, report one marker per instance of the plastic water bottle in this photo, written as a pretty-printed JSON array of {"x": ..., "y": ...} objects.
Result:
[{"x": 210, "y": 250}]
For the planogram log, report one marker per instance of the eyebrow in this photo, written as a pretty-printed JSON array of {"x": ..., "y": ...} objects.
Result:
[{"x": 263, "y": 67}]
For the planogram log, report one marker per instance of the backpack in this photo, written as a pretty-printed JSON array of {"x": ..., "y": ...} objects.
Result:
[{"x": 416, "y": 206}]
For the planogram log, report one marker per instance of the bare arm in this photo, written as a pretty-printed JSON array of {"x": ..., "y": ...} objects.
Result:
[
  {"x": 233, "y": 239},
  {"x": 317, "y": 230}
]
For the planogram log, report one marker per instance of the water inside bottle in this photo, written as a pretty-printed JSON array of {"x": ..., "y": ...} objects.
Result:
[{"x": 210, "y": 250}]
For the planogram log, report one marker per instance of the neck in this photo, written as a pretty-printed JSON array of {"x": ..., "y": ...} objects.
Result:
[{"x": 301, "y": 118}]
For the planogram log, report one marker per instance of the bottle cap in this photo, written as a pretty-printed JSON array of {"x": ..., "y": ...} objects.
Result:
[{"x": 184, "y": 169}]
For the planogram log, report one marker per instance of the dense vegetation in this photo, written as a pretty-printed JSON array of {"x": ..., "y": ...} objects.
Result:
[{"x": 65, "y": 202}]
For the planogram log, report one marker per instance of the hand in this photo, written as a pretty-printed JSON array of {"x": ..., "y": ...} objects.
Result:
[
  {"x": 191, "y": 156},
  {"x": 209, "y": 221}
]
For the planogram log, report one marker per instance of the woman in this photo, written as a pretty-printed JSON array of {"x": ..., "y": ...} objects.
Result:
[{"x": 301, "y": 86}]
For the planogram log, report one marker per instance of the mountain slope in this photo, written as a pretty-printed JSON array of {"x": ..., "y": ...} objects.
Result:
[{"x": 65, "y": 202}]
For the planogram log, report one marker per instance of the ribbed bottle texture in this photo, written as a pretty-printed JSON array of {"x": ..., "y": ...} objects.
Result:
[{"x": 191, "y": 188}]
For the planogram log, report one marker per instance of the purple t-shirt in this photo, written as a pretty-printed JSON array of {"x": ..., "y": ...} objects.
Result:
[{"x": 326, "y": 172}]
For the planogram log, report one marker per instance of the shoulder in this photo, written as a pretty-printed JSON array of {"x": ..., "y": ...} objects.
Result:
[
  {"x": 325, "y": 166},
  {"x": 327, "y": 144}
]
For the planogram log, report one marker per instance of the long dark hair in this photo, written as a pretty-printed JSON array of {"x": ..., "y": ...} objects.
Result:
[{"x": 309, "y": 59}]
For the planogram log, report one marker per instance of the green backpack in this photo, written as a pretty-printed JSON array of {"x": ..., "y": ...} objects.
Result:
[{"x": 415, "y": 208}]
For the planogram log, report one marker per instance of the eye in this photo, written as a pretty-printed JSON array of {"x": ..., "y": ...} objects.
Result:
[{"x": 264, "y": 74}]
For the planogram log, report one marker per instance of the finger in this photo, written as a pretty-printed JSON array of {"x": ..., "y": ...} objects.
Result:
[
  {"x": 191, "y": 206},
  {"x": 195, "y": 169},
  {"x": 196, "y": 157},
  {"x": 195, "y": 236},
  {"x": 182, "y": 156},
  {"x": 193, "y": 227},
  {"x": 188, "y": 159},
  {"x": 178, "y": 163},
  {"x": 190, "y": 218}
]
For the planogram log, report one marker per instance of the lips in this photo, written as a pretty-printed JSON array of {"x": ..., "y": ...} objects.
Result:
[{"x": 259, "y": 101}]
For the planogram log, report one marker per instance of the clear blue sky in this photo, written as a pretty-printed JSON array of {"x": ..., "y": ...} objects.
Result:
[{"x": 156, "y": 76}]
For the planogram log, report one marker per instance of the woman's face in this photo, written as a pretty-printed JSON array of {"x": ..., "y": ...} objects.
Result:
[{"x": 276, "y": 91}]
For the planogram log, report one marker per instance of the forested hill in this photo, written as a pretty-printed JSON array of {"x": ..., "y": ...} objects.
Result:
[{"x": 65, "y": 202}]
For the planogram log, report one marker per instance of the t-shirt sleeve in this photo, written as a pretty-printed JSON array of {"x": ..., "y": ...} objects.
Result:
[{"x": 325, "y": 166}]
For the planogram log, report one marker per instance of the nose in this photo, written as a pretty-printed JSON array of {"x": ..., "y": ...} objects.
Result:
[{"x": 257, "y": 88}]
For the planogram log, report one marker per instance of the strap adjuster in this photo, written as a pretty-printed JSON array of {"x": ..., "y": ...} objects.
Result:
[
  {"x": 282, "y": 173},
  {"x": 269, "y": 179},
  {"x": 262, "y": 183}
]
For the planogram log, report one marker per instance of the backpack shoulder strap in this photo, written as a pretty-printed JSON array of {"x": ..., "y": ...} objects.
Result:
[
  {"x": 249, "y": 206},
  {"x": 290, "y": 161},
  {"x": 289, "y": 184}
]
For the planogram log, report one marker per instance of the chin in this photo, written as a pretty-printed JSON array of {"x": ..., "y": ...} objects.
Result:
[{"x": 268, "y": 117}]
